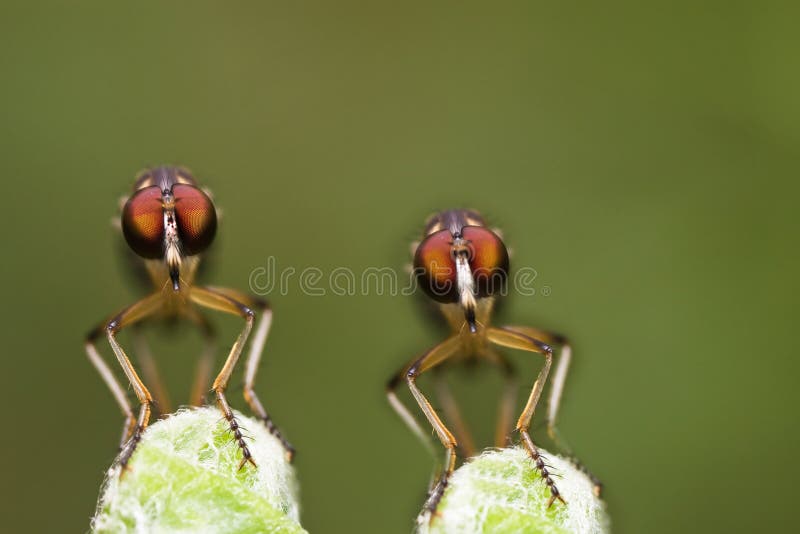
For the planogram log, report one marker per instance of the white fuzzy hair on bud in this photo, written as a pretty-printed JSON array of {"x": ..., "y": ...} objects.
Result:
[
  {"x": 184, "y": 477},
  {"x": 501, "y": 492}
]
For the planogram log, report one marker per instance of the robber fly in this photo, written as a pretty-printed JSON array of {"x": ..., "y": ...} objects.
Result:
[
  {"x": 463, "y": 266},
  {"x": 169, "y": 222}
]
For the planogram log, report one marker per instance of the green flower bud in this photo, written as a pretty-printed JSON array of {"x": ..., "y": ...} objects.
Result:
[
  {"x": 184, "y": 477},
  {"x": 501, "y": 492}
]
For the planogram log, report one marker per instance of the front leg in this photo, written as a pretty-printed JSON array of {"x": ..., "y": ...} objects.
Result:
[
  {"x": 430, "y": 359},
  {"x": 217, "y": 301},
  {"x": 556, "y": 390},
  {"x": 253, "y": 361},
  {"x": 515, "y": 340},
  {"x": 133, "y": 428}
]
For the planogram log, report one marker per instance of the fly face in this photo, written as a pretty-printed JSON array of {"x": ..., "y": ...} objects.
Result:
[
  {"x": 460, "y": 261},
  {"x": 168, "y": 218}
]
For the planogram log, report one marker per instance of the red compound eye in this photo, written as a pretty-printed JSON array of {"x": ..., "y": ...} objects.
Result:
[
  {"x": 435, "y": 268},
  {"x": 488, "y": 260},
  {"x": 143, "y": 222},
  {"x": 196, "y": 217}
]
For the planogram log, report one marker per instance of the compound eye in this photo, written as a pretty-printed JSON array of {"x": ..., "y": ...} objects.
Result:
[
  {"x": 143, "y": 222},
  {"x": 435, "y": 268},
  {"x": 488, "y": 260},
  {"x": 196, "y": 217}
]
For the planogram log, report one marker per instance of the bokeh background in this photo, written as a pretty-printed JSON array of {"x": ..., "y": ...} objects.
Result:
[{"x": 642, "y": 158}]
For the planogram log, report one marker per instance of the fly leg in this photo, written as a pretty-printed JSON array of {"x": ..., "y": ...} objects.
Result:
[
  {"x": 515, "y": 340},
  {"x": 133, "y": 428},
  {"x": 430, "y": 359},
  {"x": 556, "y": 391},
  {"x": 253, "y": 361}
]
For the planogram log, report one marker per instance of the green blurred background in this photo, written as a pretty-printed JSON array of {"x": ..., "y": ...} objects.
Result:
[{"x": 641, "y": 158}]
